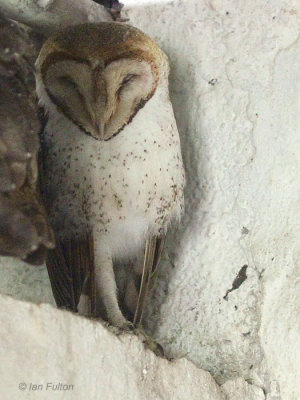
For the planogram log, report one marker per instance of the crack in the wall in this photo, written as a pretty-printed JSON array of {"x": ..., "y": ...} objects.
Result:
[{"x": 278, "y": 53}]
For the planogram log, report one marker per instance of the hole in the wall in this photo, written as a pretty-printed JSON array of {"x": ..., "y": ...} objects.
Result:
[
  {"x": 213, "y": 81},
  {"x": 247, "y": 333},
  {"x": 245, "y": 230},
  {"x": 239, "y": 279}
]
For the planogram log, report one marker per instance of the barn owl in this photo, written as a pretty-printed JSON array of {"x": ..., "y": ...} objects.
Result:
[{"x": 112, "y": 158}]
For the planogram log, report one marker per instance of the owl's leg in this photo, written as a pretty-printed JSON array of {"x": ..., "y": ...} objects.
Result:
[{"x": 106, "y": 287}]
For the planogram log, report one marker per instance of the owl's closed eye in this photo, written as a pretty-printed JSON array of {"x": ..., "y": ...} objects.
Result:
[{"x": 101, "y": 93}]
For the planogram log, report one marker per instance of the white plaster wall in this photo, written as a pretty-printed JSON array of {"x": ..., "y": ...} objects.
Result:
[{"x": 235, "y": 89}]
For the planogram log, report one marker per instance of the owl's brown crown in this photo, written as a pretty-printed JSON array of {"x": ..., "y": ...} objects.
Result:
[
  {"x": 100, "y": 75},
  {"x": 101, "y": 43}
]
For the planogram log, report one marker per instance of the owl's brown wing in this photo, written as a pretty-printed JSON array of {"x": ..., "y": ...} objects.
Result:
[
  {"x": 153, "y": 250},
  {"x": 71, "y": 271},
  {"x": 24, "y": 228},
  {"x": 70, "y": 264}
]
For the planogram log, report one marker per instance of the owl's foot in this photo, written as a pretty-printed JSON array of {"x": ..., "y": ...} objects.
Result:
[
  {"x": 127, "y": 327},
  {"x": 149, "y": 342},
  {"x": 117, "y": 319}
]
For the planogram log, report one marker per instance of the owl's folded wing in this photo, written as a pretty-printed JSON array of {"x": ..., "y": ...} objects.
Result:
[
  {"x": 153, "y": 250},
  {"x": 71, "y": 271}
]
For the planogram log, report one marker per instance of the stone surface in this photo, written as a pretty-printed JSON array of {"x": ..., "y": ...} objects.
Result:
[
  {"x": 25, "y": 282},
  {"x": 235, "y": 89},
  {"x": 238, "y": 389},
  {"x": 48, "y": 353},
  {"x": 234, "y": 86}
]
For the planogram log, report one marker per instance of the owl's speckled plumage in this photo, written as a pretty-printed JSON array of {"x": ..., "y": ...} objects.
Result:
[{"x": 126, "y": 189}]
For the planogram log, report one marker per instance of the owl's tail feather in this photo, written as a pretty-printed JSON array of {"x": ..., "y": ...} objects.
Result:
[{"x": 152, "y": 255}]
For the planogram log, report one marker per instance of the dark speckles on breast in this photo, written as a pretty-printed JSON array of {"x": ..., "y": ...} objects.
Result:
[
  {"x": 114, "y": 183},
  {"x": 118, "y": 201}
]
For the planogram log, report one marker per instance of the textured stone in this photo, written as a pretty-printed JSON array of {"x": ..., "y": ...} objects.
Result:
[
  {"x": 25, "y": 282},
  {"x": 238, "y": 389},
  {"x": 47, "y": 353}
]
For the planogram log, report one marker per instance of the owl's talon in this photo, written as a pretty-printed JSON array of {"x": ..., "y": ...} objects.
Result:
[
  {"x": 127, "y": 327},
  {"x": 150, "y": 343}
]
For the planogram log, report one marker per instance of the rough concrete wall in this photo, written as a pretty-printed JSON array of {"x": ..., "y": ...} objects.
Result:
[
  {"x": 48, "y": 353},
  {"x": 234, "y": 86},
  {"x": 235, "y": 89},
  {"x": 25, "y": 282},
  {"x": 51, "y": 354}
]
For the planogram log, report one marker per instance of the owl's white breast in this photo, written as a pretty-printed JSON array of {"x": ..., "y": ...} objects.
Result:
[{"x": 125, "y": 188}]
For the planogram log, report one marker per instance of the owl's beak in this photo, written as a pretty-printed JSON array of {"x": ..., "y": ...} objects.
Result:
[{"x": 100, "y": 130}]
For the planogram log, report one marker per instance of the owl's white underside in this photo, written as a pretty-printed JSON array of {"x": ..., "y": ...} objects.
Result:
[{"x": 124, "y": 189}]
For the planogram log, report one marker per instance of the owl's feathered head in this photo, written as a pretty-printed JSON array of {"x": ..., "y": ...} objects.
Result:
[{"x": 100, "y": 75}]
